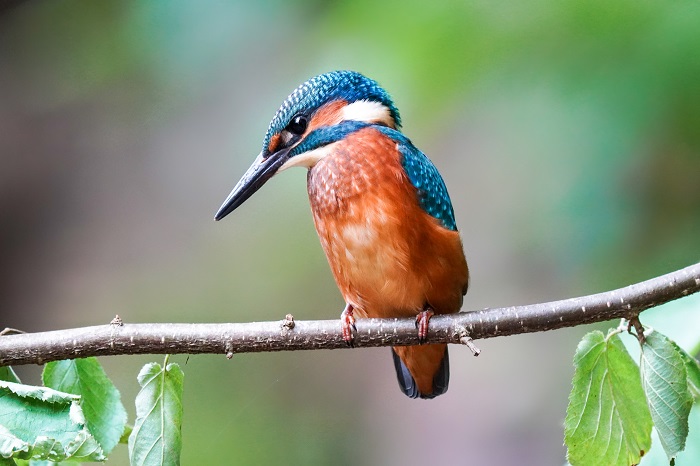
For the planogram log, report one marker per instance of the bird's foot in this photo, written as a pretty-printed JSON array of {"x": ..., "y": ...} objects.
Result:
[
  {"x": 422, "y": 322},
  {"x": 347, "y": 324}
]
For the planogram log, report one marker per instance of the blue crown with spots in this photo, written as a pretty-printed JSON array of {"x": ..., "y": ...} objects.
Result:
[{"x": 335, "y": 85}]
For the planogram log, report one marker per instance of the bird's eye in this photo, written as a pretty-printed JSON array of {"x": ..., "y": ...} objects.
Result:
[{"x": 297, "y": 125}]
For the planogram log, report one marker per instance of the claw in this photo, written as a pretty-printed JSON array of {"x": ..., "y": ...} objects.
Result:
[
  {"x": 347, "y": 325},
  {"x": 422, "y": 322}
]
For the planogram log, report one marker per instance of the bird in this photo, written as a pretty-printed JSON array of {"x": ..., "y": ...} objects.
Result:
[{"x": 381, "y": 210}]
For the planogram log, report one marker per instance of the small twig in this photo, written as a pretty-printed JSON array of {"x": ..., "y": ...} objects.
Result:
[
  {"x": 288, "y": 322},
  {"x": 470, "y": 344},
  {"x": 117, "y": 321},
  {"x": 466, "y": 339}
]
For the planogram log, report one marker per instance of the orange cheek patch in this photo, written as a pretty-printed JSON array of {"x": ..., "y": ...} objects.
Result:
[
  {"x": 328, "y": 115},
  {"x": 274, "y": 144}
]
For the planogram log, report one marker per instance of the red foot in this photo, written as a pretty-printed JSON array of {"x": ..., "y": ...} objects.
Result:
[
  {"x": 347, "y": 324},
  {"x": 422, "y": 321}
]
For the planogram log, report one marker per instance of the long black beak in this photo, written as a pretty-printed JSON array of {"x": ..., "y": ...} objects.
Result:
[{"x": 257, "y": 175}]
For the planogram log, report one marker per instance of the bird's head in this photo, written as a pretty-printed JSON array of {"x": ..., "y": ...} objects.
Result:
[{"x": 318, "y": 113}]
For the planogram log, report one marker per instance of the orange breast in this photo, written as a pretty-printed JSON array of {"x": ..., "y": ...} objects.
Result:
[{"x": 389, "y": 257}]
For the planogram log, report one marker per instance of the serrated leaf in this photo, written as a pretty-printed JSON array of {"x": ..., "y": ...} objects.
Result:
[
  {"x": 665, "y": 383},
  {"x": 692, "y": 368},
  {"x": 10, "y": 445},
  {"x": 607, "y": 420},
  {"x": 8, "y": 374},
  {"x": 688, "y": 457},
  {"x": 100, "y": 400},
  {"x": 50, "y": 423},
  {"x": 156, "y": 438}
]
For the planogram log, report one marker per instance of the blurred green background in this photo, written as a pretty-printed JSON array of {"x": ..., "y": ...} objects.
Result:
[{"x": 568, "y": 133}]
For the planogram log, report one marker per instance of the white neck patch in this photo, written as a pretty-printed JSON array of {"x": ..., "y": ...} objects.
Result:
[
  {"x": 307, "y": 159},
  {"x": 368, "y": 111}
]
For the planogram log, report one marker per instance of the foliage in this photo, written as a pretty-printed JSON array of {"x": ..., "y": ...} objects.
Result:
[
  {"x": 105, "y": 415},
  {"x": 612, "y": 405},
  {"x": 667, "y": 389},
  {"x": 156, "y": 438},
  {"x": 85, "y": 420},
  {"x": 8, "y": 374},
  {"x": 607, "y": 420},
  {"x": 44, "y": 424}
]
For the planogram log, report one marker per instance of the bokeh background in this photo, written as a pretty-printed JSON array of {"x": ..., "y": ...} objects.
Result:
[{"x": 568, "y": 133}]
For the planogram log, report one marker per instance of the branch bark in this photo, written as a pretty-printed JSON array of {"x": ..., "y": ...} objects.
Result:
[{"x": 289, "y": 335}]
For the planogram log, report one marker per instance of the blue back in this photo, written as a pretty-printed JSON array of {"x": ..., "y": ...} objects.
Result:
[{"x": 432, "y": 192}]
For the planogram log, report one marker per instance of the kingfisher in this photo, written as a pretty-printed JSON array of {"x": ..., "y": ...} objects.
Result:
[{"x": 381, "y": 211}]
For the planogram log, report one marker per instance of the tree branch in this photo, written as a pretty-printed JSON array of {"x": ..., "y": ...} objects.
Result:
[{"x": 288, "y": 335}]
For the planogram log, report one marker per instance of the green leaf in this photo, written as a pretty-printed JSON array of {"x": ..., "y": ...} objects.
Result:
[
  {"x": 126, "y": 434},
  {"x": 44, "y": 424},
  {"x": 156, "y": 438},
  {"x": 8, "y": 374},
  {"x": 688, "y": 457},
  {"x": 692, "y": 369},
  {"x": 10, "y": 445},
  {"x": 666, "y": 386},
  {"x": 7, "y": 462},
  {"x": 104, "y": 413},
  {"x": 607, "y": 420}
]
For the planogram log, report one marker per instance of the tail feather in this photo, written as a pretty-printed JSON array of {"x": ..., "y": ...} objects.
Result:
[{"x": 407, "y": 382}]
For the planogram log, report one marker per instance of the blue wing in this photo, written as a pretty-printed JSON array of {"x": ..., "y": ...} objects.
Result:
[{"x": 432, "y": 192}]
